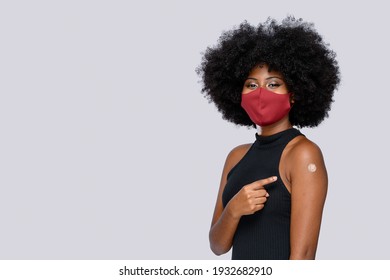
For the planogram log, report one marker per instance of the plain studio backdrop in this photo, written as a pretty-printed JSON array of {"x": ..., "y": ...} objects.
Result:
[{"x": 108, "y": 150}]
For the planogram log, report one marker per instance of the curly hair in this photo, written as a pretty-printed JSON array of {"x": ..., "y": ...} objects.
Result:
[{"x": 293, "y": 48}]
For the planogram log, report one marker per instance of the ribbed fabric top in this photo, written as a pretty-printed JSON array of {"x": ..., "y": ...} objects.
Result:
[{"x": 265, "y": 235}]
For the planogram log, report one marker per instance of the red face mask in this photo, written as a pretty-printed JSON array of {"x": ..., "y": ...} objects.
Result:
[{"x": 265, "y": 107}]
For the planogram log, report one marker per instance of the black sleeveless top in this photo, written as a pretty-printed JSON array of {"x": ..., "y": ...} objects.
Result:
[{"x": 265, "y": 235}]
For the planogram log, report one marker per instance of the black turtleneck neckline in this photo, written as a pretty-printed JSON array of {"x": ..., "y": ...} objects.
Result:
[{"x": 273, "y": 139}]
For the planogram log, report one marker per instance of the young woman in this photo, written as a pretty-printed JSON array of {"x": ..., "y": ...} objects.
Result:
[{"x": 274, "y": 76}]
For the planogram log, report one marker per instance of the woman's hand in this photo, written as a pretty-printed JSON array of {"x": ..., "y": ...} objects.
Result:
[{"x": 250, "y": 198}]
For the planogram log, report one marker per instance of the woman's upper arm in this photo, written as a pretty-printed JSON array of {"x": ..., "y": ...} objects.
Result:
[
  {"x": 232, "y": 159},
  {"x": 309, "y": 183}
]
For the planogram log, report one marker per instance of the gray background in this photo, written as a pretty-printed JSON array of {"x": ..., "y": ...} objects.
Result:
[{"x": 109, "y": 151}]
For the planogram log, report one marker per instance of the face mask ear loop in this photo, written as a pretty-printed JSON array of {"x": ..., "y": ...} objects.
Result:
[{"x": 292, "y": 101}]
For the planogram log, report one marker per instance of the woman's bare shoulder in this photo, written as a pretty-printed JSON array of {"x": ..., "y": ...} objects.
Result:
[
  {"x": 304, "y": 155},
  {"x": 303, "y": 148},
  {"x": 236, "y": 154}
]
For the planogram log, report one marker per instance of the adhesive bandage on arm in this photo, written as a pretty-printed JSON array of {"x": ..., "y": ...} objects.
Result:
[{"x": 312, "y": 167}]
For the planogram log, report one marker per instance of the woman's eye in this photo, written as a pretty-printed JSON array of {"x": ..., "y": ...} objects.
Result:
[
  {"x": 251, "y": 86},
  {"x": 273, "y": 85}
]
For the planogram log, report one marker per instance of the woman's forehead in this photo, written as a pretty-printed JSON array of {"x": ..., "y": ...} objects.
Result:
[{"x": 264, "y": 70}]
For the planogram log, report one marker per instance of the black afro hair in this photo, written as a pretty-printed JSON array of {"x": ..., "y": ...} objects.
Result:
[{"x": 293, "y": 48}]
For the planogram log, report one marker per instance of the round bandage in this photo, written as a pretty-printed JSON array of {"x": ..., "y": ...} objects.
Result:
[{"x": 312, "y": 167}]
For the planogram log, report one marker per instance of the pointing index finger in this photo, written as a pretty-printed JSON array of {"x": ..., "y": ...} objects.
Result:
[{"x": 259, "y": 184}]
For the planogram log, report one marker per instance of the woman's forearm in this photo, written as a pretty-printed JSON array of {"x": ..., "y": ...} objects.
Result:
[{"x": 222, "y": 232}]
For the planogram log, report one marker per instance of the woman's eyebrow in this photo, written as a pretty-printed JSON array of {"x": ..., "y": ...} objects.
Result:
[{"x": 272, "y": 77}]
